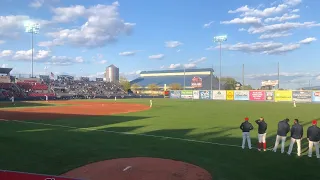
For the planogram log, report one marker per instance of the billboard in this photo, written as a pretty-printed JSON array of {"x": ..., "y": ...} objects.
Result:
[
  {"x": 186, "y": 94},
  {"x": 283, "y": 95},
  {"x": 196, "y": 82},
  {"x": 269, "y": 95},
  {"x": 196, "y": 95},
  {"x": 241, "y": 95},
  {"x": 302, "y": 96},
  {"x": 175, "y": 94},
  {"x": 219, "y": 95},
  {"x": 316, "y": 96},
  {"x": 269, "y": 83},
  {"x": 230, "y": 95},
  {"x": 205, "y": 94},
  {"x": 256, "y": 95}
]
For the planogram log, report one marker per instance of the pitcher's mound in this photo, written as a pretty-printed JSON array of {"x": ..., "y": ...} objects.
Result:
[{"x": 139, "y": 168}]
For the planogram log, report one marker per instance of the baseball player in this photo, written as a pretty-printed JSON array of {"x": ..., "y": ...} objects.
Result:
[
  {"x": 262, "y": 128},
  {"x": 294, "y": 103},
  {"x": 283, "y": 129},
  {"x": 150, "y": 102},
  {"x": 246, "y": 127},
  {"x": 12, "y": 100},
  {"x": 296, "y": 136},
  {"x": 313, "y": 135},
  {"x": 46, "y": 97}
]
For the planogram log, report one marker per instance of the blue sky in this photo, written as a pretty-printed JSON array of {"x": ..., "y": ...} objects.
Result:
[{"x": 83, "y": 37}]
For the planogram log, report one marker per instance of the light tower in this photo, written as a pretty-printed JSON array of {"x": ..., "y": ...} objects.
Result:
[
  {"x": 220, "y": 40},
  {"x": 32, "y": 28}
]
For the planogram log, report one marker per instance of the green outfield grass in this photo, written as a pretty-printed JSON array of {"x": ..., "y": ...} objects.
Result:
[{"x": 57, "y": 146}]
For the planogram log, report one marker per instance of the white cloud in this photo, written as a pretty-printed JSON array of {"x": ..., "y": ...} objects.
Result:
[
  {"x": 175, "y": 66},
  {"x": 308, "y": 40},
  {"x": 284, "y": 17},
  {"x": 156, "y": 56},
  {"x": 172, "y": 44},
  {"x": 4, "y": 65},
  {"x": 242, "y": 29},
  {"x": 256, "y": 12},
  {"x": 27, "y": 55},
  {"x": 282, "y": 27},
  {"x": 103, "y": 62},
  {"x": 103, "y": 25},
  {"x": 202, "y": 59},
  {"x": 270, "y": 48},
  {"x": 36, "y": 3},
  {"x": 191, "y": 64},
  {"x": 245, "y": 20},
  {"x": 127, "y": 53},
  {"x": 208, "y": 24},
  {"x": 295, "y": 10},
  {"x": 274, "y": 35},
  {"x": 178, "y": 50},
  {"x": 2, "y": 41},
  {"x": 6, "y": 53},
  {"x": 49, "y": 44},
  {"x": 64, "y": 60}
]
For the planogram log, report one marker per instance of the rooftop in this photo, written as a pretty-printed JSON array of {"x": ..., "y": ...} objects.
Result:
[{"x": 5, "y": 70}]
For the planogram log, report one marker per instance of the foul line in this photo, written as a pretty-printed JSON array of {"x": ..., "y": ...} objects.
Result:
[{"x": 145, "y": 135}]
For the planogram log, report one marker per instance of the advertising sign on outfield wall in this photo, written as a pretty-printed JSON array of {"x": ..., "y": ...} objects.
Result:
[
  {"x": 316, "y": 96},
  {"x": 269, "y": 95},
  {"x": 186, "y": 94},
  {"x": 219, "y": 95},
  {"x": 302, "y": 96},
  {"x": 175, "y": 94},
  {"x": 283, "y": 95},
  {"x": 230, "y": 95},
  {"x": 196, "y": 95},
  {"x": 241, "y": 95},
  {"x": 256, "y": 95},
  {"x": 205, "y": 94}
]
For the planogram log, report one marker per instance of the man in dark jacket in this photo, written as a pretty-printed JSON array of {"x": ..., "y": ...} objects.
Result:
[
  {"x": 313, "y": 135},
  {"x": 283, "y": 129},
  {"x": 262, "y": 134},
  {"x": 296, "y": 136},
  {"x": 246, "y": 127}
]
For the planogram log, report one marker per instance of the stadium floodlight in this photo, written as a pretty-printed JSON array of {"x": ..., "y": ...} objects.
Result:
[
  {"x": 32, "y": 28},
  {"x": 220, "y": 40}
]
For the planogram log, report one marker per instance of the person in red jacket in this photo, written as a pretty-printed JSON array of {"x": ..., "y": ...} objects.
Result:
[{"x": 246, "y": 127}]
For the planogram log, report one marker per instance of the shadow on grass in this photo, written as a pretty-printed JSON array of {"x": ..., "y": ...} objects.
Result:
[
  {"x": 22, "y": 104},
  {"x": 56, "y": 150}
]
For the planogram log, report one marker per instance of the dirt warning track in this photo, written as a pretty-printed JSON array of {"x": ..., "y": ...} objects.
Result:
[{"x": 70, "y": 109}]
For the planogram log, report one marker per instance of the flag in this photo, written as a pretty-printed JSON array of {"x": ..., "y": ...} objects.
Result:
[{"x": 52, "y": 75}]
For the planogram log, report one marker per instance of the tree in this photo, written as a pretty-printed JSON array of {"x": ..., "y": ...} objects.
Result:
[
  {"x": 135, "y": 87},
  {"x": 153, "y": 87},
  {"x": 247, "y": 87},
  {"x": 175, "y": 86},
  {"x": 229, "y": 83},
  {"x": 125, "y": 84}
]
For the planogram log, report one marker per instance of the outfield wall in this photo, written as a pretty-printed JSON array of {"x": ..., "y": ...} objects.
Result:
[{"x": 249, "y": 95}]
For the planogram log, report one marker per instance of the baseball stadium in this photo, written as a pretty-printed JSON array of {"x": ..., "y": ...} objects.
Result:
[{"x": 193, "y": 134}]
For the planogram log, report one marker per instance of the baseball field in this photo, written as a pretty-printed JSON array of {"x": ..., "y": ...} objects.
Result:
[{"x": 59, "y": 136}]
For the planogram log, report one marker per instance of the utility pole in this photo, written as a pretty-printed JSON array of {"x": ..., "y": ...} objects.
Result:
[
  {"x": 242, "y": 75},
  {"x": 278, "y": 75}
]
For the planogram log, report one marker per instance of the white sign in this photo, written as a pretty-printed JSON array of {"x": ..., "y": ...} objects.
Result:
[
  {"x": 219, "y": 95},
  {"x": 269, "y": 83},
  {"x": 196, "y": 95}
]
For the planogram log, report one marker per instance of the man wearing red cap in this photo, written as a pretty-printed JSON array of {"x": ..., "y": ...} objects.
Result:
[
  {"x": 283, "y": 129},
  {"x": 313, "y": 135},
  {"x": 262, "y": 134},
  {"x": 246, "y": 127},
  {"x": 296, "y": 136}
]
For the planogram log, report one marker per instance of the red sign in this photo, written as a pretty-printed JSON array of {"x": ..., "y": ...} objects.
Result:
[
  {"x": 196, "y": 82},
  {"x": 316, "y": 93},
  {"x": 257, "y": 95},
  {"x": 10, "y": 175}
]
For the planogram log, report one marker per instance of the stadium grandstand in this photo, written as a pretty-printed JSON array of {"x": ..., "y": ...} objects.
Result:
[{"x": 202, "y": 79}]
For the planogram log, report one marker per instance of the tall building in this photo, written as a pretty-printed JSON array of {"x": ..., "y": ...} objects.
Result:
[{"x": 112, "y": 74}]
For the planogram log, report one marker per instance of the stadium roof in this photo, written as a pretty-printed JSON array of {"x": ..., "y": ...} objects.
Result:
[
  {"x": 5, "y": 70},
  {"x": 178, "y": 71}
]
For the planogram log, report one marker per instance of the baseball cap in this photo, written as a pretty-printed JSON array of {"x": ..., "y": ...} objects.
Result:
[
  {"x": 314, "y": 122},
  {"x": 246, "y": 119}
]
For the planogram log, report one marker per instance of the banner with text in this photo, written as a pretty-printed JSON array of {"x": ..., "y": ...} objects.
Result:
[
  {"x": 11, "y": 175},
  {"x": 241, "y": 95},
  {"x": 302, "y": 96},
  {"x": 269, "y": 95},
  {"x": 196, "y": 95},
  {"x": 256, "y": 95},
  {"x": 175, "y": 94},
  {"x": 316, "y": 96},
  {"x": 205, "y": 94},
  {"x": 230, "y": 95},
  {"x": 283, "y": 95},
  {"x": 186, "y": 94},
  {"x": 219, "y": 95}
]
